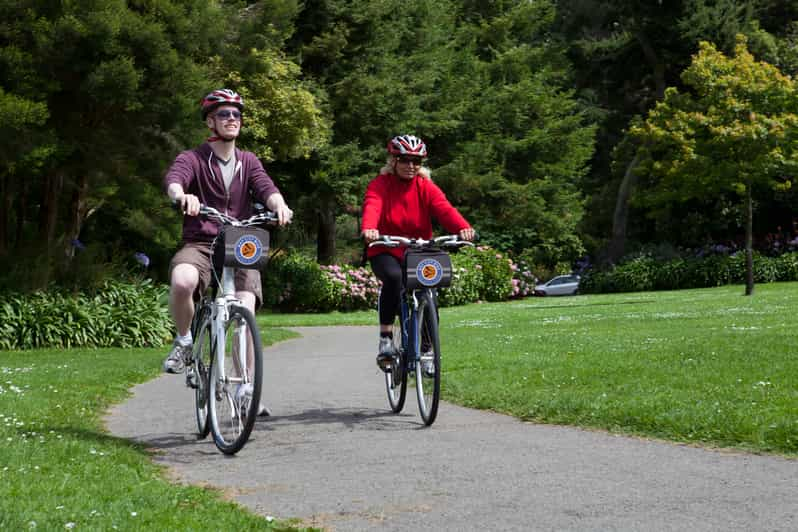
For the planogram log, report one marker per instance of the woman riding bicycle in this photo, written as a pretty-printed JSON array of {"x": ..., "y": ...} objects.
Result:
[
  {"x": 219, "y": 175},
  {"x": 401, "y": 201}
]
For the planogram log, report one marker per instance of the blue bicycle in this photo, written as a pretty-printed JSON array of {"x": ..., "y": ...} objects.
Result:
[{"x": 426, "y": 267}]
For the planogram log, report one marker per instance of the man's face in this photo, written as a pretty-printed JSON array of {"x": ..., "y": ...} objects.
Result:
[{"x": 225, "y": 121}]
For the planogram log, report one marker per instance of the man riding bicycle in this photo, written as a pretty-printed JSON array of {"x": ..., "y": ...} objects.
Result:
[{"x": 219, "y": 175}]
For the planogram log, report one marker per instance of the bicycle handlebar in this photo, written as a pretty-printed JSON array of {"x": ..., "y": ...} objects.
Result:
[
  {"x": 265, "y": 217},
  {"x": 417, "y": 243}
]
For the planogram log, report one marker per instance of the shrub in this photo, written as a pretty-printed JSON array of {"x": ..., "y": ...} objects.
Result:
[
  {"x": 357, "y": 288},
  {"x": 118, "y": 314},
  {"x": 647, "y": 273},
  {"x": 479, "y": 273},
  {"x": 295, "y": 283}
]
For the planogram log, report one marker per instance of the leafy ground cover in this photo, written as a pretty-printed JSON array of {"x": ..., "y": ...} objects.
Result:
[
  {"x": 60, "y": 470},
  {"x": 707, "y": 366}
]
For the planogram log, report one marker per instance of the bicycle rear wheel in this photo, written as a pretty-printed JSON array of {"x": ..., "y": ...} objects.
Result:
[
  {"x": 428, "y": 366},
  {"x": 235, "y": 381},
  {"x": 396, "y": 379},
  {"x": 203, "y": 349}
]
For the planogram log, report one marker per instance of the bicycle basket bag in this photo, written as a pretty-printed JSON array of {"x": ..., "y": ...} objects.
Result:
[
  {"x": 427, "y": 269},
  {"x": 241, "y": 247}
]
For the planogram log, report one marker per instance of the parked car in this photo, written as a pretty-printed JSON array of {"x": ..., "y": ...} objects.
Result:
[{"x": 562, "y": 285}]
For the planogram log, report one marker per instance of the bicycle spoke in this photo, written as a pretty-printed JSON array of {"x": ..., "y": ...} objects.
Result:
[
  {"x": 200, "y": 367},
  {"x": 396, "y": 379},
  {"x": 236, "y": 382},
  {"x": 428, "y": 377}
]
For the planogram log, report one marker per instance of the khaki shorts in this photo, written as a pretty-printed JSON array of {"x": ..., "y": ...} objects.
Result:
[{"x": 199, "y": 256}]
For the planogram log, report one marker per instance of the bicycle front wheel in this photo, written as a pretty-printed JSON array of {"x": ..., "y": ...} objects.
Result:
[
  {"x": 235, "y": 381},
  {"x": 201, "y": 363},
  {"x": 396, "y": 379},
  {"x": 428, "y": 366}
]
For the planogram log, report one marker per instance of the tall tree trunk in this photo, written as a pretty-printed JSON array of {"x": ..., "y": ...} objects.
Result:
[
  {"x": 22, "y": 213},
  {"x": 78, "y": 207},
  {"x": 48, "y": 213},
  {"x": 749, "y": 241},
  {"x": 620, "y": 218},
  {"x": 5, "y": 194},
  {"x": 325, "y": 237},
  {"x": 656, "y": 63}
]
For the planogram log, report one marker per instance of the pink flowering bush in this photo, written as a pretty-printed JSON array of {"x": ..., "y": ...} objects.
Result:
[
  {"x": 356, "y": 288},
  {"x": 295, "y": 283}
]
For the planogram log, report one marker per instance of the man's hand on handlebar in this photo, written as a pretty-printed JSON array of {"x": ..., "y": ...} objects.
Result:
[
  {"x": 189, "y": 204},
  {"x": 284, "y": 214}
]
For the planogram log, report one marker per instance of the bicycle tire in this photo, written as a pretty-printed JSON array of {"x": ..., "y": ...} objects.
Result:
[
  {"x": 201, "y": 362},
  {"x": 396, "y": 379},
  {"x": 232, "y": 409},
  {"x": 428, "y": 364}
]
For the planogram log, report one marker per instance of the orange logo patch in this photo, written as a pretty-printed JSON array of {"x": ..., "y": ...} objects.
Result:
[
  {"x": 248, "y": 250},
  {"x": 429, "y": 271}
]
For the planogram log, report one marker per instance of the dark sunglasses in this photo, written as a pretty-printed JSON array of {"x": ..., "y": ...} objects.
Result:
[
  {"x": 410, "y": 160},
  {"x": 226, "y": 114}
]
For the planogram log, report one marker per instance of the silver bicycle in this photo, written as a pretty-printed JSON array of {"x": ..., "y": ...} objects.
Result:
[{"x": 226, "y": 367}]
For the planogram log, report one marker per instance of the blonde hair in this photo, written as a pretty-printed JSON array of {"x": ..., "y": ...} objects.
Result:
[{"x": 423, "y": 171}]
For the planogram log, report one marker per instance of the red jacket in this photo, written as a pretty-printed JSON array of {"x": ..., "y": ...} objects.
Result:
[{"x": 398, "y": 207}]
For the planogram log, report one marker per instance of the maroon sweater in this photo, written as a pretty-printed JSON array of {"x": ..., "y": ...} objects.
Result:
[{"x": 198, "y": 172}]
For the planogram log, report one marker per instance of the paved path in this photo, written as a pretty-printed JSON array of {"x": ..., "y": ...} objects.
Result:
[{"x": 334, "y": 455}]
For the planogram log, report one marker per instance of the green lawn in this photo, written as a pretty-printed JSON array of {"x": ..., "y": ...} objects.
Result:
[
  {"x": 707, "y": 366},
  {"x": 60, "y": 470}
]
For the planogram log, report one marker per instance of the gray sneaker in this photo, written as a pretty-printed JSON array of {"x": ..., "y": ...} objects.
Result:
[
  {"x": 176, "y": 361},
  {"x": 386, "y": 353}
]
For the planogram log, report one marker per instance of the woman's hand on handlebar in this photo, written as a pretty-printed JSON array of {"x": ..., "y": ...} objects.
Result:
[
  {"x": 370, "y": 235},
  {"x": 467, "y": 234}
]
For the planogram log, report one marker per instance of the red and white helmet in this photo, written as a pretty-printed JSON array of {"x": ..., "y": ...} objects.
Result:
[
  {"x": 221, "y": 97},
  {"x": 407, "y": 145}
]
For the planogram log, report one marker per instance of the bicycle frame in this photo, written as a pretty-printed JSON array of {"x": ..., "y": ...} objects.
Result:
[
  {"x": 408, "y": 309},
  {"x": 220, "y": 314}
]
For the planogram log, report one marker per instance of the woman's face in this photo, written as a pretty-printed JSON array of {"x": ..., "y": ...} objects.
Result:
[{"x": 407, "y": 166}]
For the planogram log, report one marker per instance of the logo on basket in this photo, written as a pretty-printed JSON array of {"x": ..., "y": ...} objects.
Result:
[
  {"x": 429, "y": 272},
  {"x": 248, "y": 250}
]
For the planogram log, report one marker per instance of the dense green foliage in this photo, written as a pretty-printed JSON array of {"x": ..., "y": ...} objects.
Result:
[
  {"x": 117, "y": 314},
  {"x": 296, "y": 283},
  {"x": 527, "y": 107},
  {"x": 644, "y": 273}
]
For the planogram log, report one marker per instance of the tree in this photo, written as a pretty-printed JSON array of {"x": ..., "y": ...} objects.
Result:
[
  {"x": 626, "y": 53},
  {"x": 737, "y": 130},
  {"x": 483, "y": 83},
  {"x": 107, "y": 92}
]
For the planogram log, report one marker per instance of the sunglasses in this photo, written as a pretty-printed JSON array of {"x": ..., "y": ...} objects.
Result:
[
  {"x": 410, "y": 160},
  {"x": 226, "y": 114}
]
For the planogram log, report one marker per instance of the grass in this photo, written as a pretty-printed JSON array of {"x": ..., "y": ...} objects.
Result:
[
  {"x": 702, "y": 366},
  {"x": 707, "y": 366},
  {"x": 60, "y": 470}
]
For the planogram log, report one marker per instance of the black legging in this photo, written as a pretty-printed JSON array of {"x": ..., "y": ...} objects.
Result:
[{"x": 388, "y": 269}]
